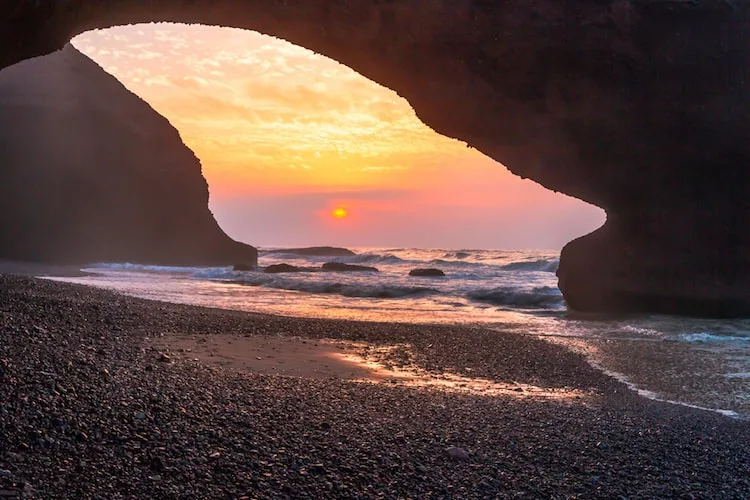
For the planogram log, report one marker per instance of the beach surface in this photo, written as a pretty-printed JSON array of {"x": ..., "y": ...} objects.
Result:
[{"x": 107, "y": 396}]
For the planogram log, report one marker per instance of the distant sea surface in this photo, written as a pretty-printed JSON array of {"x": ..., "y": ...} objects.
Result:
[{"x": 697, "y": 362}]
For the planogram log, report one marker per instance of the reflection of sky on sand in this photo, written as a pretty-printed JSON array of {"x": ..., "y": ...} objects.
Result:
[
  {"x": 328, "y": 358},
  {"x": 413, "y": 376}
]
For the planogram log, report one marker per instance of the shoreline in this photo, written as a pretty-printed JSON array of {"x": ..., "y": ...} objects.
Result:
[
  {"x": 662, "y": 378},
  {"x": 589, "y": 349},
  {"x": 91, "y": 410}
]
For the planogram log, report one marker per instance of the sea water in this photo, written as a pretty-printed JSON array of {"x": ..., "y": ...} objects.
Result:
[{"x": 697, "y": 362}]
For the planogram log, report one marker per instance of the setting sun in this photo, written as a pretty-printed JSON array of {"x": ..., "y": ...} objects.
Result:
[{"x": 340, "y": 213}]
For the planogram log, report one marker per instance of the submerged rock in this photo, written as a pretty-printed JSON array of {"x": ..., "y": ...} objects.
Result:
[
  {"x": 428, "y": 272},
  {"x": 341, "y": 267},
  {"x": 283, "y": 268}
]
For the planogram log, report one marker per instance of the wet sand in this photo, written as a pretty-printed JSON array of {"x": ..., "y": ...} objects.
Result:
[
  {"x": 290, "y": 356},
  {"x": 99, "y": 402},
  {"x": 329, "y": 358},
  {"x": 672, "y": 371}
]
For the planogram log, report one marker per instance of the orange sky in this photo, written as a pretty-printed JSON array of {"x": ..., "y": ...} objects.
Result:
[{"x": 286, "y": 135}]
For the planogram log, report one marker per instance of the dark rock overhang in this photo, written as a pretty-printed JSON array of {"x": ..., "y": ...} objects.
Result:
[{"x": 637, "y": 106}]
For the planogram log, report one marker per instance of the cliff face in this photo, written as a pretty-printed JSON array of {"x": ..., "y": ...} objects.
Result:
[
  {"x": 90, "y": 172},
  {"x": 638, "y": 106}
]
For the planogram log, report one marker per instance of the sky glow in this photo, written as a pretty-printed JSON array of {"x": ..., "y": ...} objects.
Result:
[{"x": 285, "y": 136}]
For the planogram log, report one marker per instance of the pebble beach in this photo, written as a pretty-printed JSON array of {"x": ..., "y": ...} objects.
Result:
[{"x": 95, "y": 404}]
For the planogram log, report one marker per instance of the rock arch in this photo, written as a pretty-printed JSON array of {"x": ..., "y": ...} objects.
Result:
[{"x": 637, "y": 106}]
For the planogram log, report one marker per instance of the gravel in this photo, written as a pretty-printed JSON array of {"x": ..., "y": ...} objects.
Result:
[{"x": 89, "y": 411}]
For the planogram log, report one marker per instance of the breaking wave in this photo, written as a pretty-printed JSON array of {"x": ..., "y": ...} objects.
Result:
[
  {"x": 218, "y": 273},
  {"x": 372, "y": 258},
  {"x": 146, "y": 268},
  {"x": 456, "y": 263},
  {"x": 533, "y": 265},
  {"x": 539, "y": 298},
  {"x": 290, "y": 256},
  {"x": 704, "y": 337},
  {"x": 380, "y": 291},
  {"x": 456, "y": 255}
]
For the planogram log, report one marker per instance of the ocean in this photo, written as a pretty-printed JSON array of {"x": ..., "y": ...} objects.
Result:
[{"x": 697, "y": 362}]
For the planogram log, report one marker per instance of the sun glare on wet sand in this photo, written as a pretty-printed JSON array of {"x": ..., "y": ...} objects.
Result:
[{"x": 355, "y": 361}]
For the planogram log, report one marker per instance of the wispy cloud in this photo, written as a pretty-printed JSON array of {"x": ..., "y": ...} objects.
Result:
[
  {"x": 270, "y": 119},
  {"x": 252, "y": 92}
]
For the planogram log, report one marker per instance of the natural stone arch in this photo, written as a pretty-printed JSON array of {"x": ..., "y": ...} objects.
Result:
[{"x": 637, "y": 106}]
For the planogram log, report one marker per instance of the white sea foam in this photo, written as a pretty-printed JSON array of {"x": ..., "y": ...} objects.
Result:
[
  {"x": 126, "y": 266},
  {"x": 338, "y": 288},
  {"x": 649, "y": 394},
  {"x": 457, "y": 255},
  {"x": 705, "y": 337},
  {"x": 540, "y": 297},
  {"x": 534, "y": 265}
]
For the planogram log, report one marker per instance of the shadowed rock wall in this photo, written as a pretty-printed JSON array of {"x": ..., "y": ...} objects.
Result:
[
  {"x": 638, "y": 106},
  {"x": 90, "y": 172}
]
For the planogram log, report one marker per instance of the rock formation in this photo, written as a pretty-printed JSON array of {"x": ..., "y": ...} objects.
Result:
[
  {"x": 429, "y": 272},
  {"x": 638, "y": 106},
  {"x": 90, "y": 173},
  {"x": 285, "y": 268}
]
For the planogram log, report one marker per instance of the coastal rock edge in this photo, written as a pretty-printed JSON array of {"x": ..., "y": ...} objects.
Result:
[
  {"x": 639, "y": 107},
  {"x": 89, "y": 172}
]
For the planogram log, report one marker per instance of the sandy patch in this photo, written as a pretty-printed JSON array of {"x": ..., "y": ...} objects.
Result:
[
  {"x": 292, "y": 356},
  {"x": 328, "y": 358}
]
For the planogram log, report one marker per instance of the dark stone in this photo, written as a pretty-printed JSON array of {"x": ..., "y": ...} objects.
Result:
[
  {"x": 317, "y": 468},
  {"x": 341, "y": 267},
  {"x": 429, "y": 272},
  {"x": 639, "y": 107},
  {"x": 317, "y": 251},
  {"x": 243, "y": 267},
  {"x": 113, "y": 181},
  {"x": 457, "y": 453},
  {"x": 283, "y": 268},
  {"x": 156, "y": 464}
]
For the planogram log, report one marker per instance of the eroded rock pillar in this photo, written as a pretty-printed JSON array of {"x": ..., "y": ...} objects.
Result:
[{"x": 680, "y": 260}]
